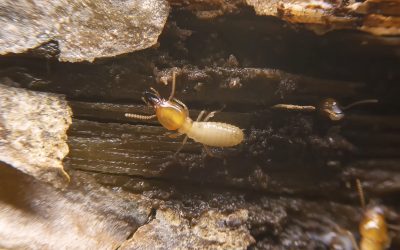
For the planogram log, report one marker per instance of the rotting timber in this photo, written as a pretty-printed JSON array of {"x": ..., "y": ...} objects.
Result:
[{"x": 295, "y": 171}]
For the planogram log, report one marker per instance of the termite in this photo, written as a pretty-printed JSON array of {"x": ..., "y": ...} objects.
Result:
[
  {"x": 373, "y": 227},
  {"x": 173, "y": 115},
  {"x": 329, "y": 107}
]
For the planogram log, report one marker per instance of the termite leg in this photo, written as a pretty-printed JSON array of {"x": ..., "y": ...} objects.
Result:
[
  {"x": 182, "y": 104},
  {"x": 180, "y": 148},
  {"x": 174, "y": 135},
  {"x": 352, "y": 239},
  {"x": 211, "y": 114},
  {"x": 211, "y": 154},
  {"x": 394, "y": 227},
  {"x": 173, "y": 86},
  {"x": 208, "y": 151},
  {"x": 349, "y": 234},
  {"x": 201, "y": 114},
  {"x": 155, "y": 91}
]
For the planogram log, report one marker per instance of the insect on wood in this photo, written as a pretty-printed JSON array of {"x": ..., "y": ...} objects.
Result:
[
  {"x": 329, "y": 108},
  {"x": 174, "y": 115},
  {"x": 373, "y": 227}
]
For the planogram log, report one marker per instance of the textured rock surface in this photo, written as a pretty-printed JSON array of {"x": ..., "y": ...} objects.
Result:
[
  {"x": 33, "y": 128},
  {"x": 84, "y": 30},
  {"x": 212, "y": 230},
  {"x": 209, "y": 9},
  {"x": 84, "y": 216}
]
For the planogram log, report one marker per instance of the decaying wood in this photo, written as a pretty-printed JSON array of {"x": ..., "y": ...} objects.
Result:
[
  {"x": 378, "y": 17},
  {"x": 289, "y": 185}
]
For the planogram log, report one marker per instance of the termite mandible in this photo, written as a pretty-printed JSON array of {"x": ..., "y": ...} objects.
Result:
[{"x": 173, "y": 114}]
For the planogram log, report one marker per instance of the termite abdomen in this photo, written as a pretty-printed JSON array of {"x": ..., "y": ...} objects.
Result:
[{"x": 216, "y": 134}]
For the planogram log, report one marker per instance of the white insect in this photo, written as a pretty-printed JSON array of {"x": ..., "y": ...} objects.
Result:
[{"x": 174, "y": 115}]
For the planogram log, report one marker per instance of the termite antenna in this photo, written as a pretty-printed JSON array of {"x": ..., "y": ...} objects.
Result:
[
  {"x": 171, "y": 96},
  {"x": 139, "y": 117},
  {"x": 360, "y": 103},
  {"x": 294, "y": 107},
  {"x": 360, "y": 193}
]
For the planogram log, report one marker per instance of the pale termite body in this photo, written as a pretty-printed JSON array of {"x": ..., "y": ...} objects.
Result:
[{"x": 174, "y": 115}]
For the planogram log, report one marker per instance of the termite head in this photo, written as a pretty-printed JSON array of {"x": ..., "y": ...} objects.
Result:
[
  {"x": 330, "y": 108},
  {"x": 373, "y": 229},
  {"x": 334, "y": 111},
  {"x": 171, "y": 115}
]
